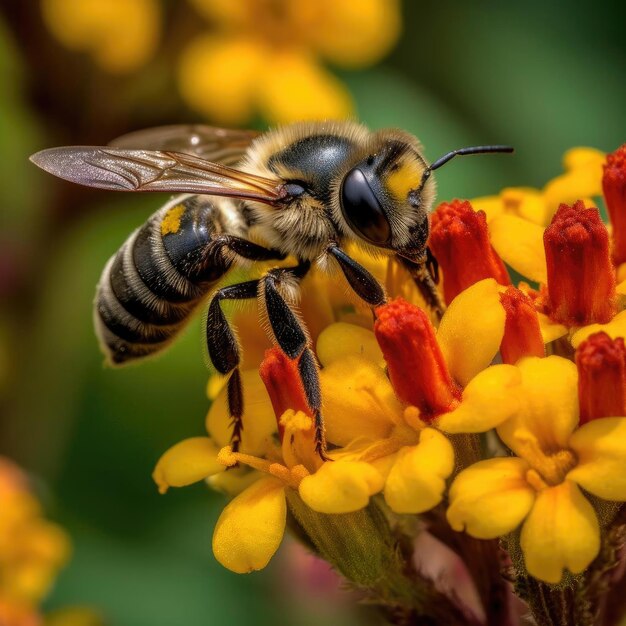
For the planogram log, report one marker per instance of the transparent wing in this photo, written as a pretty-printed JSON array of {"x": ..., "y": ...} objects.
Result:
[
  {"x": 220, "y": 145},
  {"x": 155, "y": 170}
]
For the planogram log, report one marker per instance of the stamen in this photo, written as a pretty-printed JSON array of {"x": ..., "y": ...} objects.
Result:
[
  {"x": 601, "y": 363},
  {"x": 550, "y": 467},
  {"x": 417, "y": 369},
  {"x": 227, "y": 457},
  {"x": 614, "y": 187},
  {"x": 522, "y": 335},
  {"x": 459, "y": 239},
  {"x": 581, "y": 279}
]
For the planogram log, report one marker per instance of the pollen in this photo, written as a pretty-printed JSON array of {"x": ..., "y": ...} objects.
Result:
[
  {"x": 459, "y": 239},
  {"x": 171, "y": 222},
  {"x": 601, "y": 363},
  {"x": 614, "y": 188},
  {"x": 581, "y": 280},
  {"x": 417, "y": 368},
  {"x": 522, "y": 335}
]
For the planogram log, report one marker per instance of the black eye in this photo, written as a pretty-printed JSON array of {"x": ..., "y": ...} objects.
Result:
[{"x": 362, "y": 210}]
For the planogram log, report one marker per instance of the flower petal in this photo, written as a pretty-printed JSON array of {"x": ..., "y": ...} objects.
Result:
[
  {"x": 600, "y": 446},
  {"x": 417, "y": 479},
  {"x": 561, "y": 532},
  {"x": 614, "y": 329},
  {"x": 339, "y": 340},
  {"x": 359, "y": 401},
  {"x": 187, "y": 462},
  {"x": 490, "y": 398},
  {"x": 550, "y": 331},
  {"x": 251, "y": 527},
  {"x": 471, "y": 330},
  {"x": 520, "y": 244},
  {"x": 490, "y": 498},
  {"x": 548, "y": 410},
  {"x": 340, "y": 486}
]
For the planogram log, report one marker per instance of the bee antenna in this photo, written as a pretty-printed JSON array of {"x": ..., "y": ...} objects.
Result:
[{"x": 461, "y": 151}]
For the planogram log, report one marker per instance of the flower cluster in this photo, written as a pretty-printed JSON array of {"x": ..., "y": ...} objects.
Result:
[
  {"x": 256, "y": 56},
  {"x": 505, "y": 420}
]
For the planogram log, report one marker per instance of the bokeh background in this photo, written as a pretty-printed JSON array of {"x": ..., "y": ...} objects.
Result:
[{"x": 541, "y": 76}]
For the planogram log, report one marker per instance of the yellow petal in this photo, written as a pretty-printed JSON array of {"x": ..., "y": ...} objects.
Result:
[
  {"x": 417, "y": 479},
  {"x": 259, "y": 421},
  {"x": 582, "y": 179},
  {"x": 520, "y": 244},
  {"x": 621, "y": 286},
  {"x": 600, "y": 446},
  {"x": 490, "y": 498},
  {"x": 218, "y": 76},
  {"x": 187, "y": 462},
  {"x": 549, "y": 330},
  {"x": 341, "y": 339},
  {"x": 294, "y": 87},
  {"x": 340, "y": 486},
  {"x": 471, "y": 330},
  {"x": 614, "y": 329},
  {"x": 548, "y": 410},
  {"x": 491, "y": 205},
  {"x": 251, "y": 527},
  {"x": 490, "y": 398},
  {"x": 356, "y": 34},
  {"x": 359, "y": 401},
  {"x": 561, "y": 532}
]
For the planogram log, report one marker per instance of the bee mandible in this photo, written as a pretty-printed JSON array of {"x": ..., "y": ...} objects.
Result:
[{"x": 302, "y": 191}]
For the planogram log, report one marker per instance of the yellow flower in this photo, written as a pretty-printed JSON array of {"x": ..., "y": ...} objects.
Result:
[
  {"x": 447, "y": 377},
  {"x": 121, "y": 35},
  {"x": 32, "y": 549},
  {"x": 539, "y": 488},
  {"x": 251, "y": 527},
  {"x": 264, "y": 56}
]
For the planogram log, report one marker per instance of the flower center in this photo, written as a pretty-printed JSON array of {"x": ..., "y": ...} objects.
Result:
[
  {"x": 581, "y": 279},
  {"x": 547, "y": 468},
  {"x": 459, "y": 240}
]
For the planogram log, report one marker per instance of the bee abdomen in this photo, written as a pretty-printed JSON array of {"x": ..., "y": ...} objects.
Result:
[{"x": 158, "y": 278}]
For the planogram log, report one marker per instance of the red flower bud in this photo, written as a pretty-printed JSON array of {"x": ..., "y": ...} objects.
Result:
[
  {"x": 417, "y": 369},
  {"x": 601, "y": 363},
  {"x": 460, "y": 242},
  {"x": 614, "y": 187},
  {"x": 581, "y": 279},
  {"x": 522, "y": 336}
]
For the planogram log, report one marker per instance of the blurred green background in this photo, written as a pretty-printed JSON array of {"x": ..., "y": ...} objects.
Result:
[{"x": 541, "y": 76}]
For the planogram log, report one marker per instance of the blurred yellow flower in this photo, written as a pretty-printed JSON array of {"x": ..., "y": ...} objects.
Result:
[
  {"x": 264, "y": 56},
  {"x": 121, "y": 35},
  {"x": 32, "y": 550}
]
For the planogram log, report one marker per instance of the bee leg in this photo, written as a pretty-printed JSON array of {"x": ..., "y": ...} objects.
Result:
[
  {"x": 422, "y": 274},
  {"x": 293, "y": 340},
  {"x": 361, "y": 281},
  {"x": 224, "y": 349}
]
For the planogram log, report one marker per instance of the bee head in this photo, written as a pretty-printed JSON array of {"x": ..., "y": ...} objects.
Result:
[{"x": 386, "y": 197}]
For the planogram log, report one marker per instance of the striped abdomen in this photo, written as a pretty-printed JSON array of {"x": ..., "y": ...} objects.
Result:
[{"x": 158, "y": 277}]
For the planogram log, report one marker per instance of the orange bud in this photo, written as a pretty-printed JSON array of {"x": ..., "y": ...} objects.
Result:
[
  {"x": 614, "y": 187},
  {"x": 417, "y": 369},
  {"x": 601, "y": 363},
  {"x": 522, "y": 336},
  {"x": 459, "y": 239},
  {"x": 581, "y": 279}
]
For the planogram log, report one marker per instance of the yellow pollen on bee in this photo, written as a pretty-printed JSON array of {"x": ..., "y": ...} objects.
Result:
[
  {"x": 171, "y": 222},
  {"x": 405, "y": 177}
]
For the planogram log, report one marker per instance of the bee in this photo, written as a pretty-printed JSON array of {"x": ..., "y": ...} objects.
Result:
[{"x": 302, "y": 191}]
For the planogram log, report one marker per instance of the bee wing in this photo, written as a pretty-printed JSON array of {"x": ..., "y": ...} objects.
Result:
[
  {"x": 221, "y": 145},
  {"x": 155, "y": 170}
]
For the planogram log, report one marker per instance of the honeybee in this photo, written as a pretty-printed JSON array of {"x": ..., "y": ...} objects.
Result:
[{"x": 300, "y": 191}]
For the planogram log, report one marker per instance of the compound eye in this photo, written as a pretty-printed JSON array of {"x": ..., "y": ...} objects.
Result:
[{"x": 362, "y": 210}]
